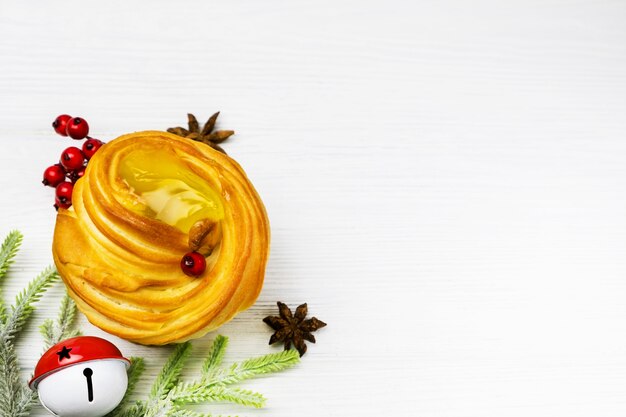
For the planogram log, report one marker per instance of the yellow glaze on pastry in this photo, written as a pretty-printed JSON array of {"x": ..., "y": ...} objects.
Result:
[{"x": 118, "y": 248}]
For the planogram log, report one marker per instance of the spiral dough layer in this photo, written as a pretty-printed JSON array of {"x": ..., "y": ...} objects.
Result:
[{"x": 119, "y": 247}]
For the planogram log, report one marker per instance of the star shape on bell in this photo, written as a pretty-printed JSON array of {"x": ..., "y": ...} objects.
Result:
[{"x": 64, "y": 353}]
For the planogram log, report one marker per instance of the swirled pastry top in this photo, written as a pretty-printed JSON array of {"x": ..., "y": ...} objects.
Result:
[{"x": 144, "y": 200}]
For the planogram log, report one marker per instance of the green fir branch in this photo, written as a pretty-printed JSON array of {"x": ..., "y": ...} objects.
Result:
[
  {"x": 47, "y": 331},
  {"x": 53, "y": 332},
  {"x": 181, "y": 412},
  {"x": 170, "y": 373},
  {"x": 240, "y": 396},
  {"x": 169, "y": 395},
  {"x": 138, "y": 409},
  {"x": 273, "y": 362},
  {"x": 198, "y": 393},
  {"x": 158, "y": 408},
  {"x": 134, "y": 372},
  {"x": 216, "y": 355},
  {"x": 11, "y": 386},
  {"x": 211, "y": 387},
  {"x": 23, "y": 307},
  {"x": 25, "y": 398},
  {"x": 16, "y": 399},
  {"x": 10, "y": 247}
]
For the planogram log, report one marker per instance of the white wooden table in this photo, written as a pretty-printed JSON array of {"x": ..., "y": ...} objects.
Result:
[{"x": 445, "y": 182}]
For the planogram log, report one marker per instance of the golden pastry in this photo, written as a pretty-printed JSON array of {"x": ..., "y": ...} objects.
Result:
[{"x": 145, "y": 200}]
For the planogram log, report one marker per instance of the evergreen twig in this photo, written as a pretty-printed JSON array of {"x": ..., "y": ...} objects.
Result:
[
  {"x": 9, "y": 249},
  {"x": 170, "y": 374},
  {"x": 23, "y": 307},
  {"x": 16, "y": 399},
  {"x": 180, "y": 412},
  {"x": 134, "y": 372},
  {"x": 169, "y": 395},
  {"x": 215, "y": 356},
  {"x": 54, "y": 332}
]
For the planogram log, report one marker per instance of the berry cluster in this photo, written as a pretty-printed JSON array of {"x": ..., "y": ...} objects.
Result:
[
  {"x": 73, "y": 161},
  {"x": 71, "y": 168}
]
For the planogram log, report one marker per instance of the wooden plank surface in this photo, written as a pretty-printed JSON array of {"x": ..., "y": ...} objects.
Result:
[{"x": 445, "y": 183}]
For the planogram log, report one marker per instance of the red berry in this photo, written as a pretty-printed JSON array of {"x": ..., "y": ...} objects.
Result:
[
  {"x": 53, "y": 175},
  {"x": 64, "y": 194},
  {"x": 77, "y": 128},
  {"x": 72, "y": 158},
  {"x": 76, "y": 174},
  {"x": 58, "y": 204},
  {"x": 60, "y": 124},
  {"x": 90, "y": 147},
  {"x": 193, "y": 264}
]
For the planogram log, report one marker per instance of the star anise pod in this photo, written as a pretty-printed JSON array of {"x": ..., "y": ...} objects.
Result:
[
  {"x": 293, "y": 328},
  {"x": 206, "y": 135}
]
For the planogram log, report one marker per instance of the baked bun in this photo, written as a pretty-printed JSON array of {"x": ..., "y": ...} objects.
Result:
[{"x": 145, "y": 200}]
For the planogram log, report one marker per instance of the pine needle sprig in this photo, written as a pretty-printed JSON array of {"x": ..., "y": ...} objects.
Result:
[
  {"x": 23, "y": 307},
  {"x": 138, "y": 409},
  {"x": 25, "y": 398},
  {"x": 181, "y": 412},
  {"x": 212, "y": 385},
  {"x": 53, "y": 332},
  {"x": 169, "y": 394},
  {"x": 11, "y": 387},
  {"x": 170, "y": 374},
  {"x": 16, "y": 399},
  {"x": 215, "y": 356},
  {"x": 273, "y": 362},
  {"x": 198, "y": 393},
  {"x": 135, "y": 370},
  {"x": 9, "y": 249},
  {"x": 12, "y": 395}
]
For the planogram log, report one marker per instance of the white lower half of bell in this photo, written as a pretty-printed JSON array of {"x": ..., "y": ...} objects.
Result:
[{"x": 86, "y": 389}]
